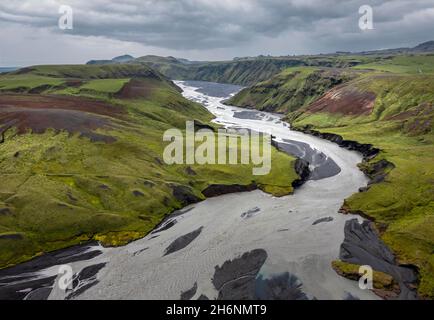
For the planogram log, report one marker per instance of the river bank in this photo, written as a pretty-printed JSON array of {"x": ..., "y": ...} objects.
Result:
[{"x": 288, "y": 241}]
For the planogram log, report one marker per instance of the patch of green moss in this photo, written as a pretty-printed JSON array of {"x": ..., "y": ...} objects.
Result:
[
  {"x": 64, "y": 190},
  {"x": 380, "y": 280}
]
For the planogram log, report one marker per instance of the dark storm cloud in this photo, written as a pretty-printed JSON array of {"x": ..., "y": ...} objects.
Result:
[{"x": 239, "y": 27}]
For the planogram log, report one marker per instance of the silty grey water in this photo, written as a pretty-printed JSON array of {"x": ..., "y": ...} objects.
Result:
[{"x": 240, "y": 245}]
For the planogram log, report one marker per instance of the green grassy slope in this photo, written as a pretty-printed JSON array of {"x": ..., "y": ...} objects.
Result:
[
  {"x": 291, "y": 89},
  {"x": 412, "y": 64},
  {"x": 246, "y": 71},
  {"x": 401, "y": 124},
  {"x": 390, "y": 104},
  {"x": 58, "y": 189}
]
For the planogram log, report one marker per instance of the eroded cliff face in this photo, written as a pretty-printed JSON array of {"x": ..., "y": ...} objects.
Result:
[{"x": 291, "y": 89}]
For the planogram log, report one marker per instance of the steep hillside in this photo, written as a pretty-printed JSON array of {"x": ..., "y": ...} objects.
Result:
[
  {"x": 247, "y": 71},
  {"x": 395, "y": 113},
  {"x": 120, "y": 59},
  {"x": 81, "y": 157},
  {"x": 291, "y": 89},
  {"x": 386, "y": 101},
  {"x": 242, "y": 71}
]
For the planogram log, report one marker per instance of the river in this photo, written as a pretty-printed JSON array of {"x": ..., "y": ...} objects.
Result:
[{"x": 241, "y": 245}]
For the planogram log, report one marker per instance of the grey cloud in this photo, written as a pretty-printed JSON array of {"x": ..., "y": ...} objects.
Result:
[{"x": 203, "y": 25}]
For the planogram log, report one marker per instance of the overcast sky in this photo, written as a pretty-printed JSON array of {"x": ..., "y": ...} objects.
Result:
[{"x": 204, "y": 29}]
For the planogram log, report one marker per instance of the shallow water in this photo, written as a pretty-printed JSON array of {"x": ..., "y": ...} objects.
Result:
[{"x": 205, "y": 235}]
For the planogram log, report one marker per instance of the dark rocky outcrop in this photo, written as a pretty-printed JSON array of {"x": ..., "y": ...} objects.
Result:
[
  {"x": 235, "y": 279},
  {"x": 190, "y": 171},
  {"x": 5, "y": 212},
  {"x": 322, "y": 166},
  {"x": 11, "y": 236},
  {"x": 363, "y": 246},
  {"x": 19, "y": 279},
  {"x": 250, "y": 213},
  {"x": 284, "y": 286},
  {"x": 367, "y": 150},
  {"x": 17, "y": 290},
  {"x": 302, "y": 169},
  {"x": 84, "y": 280},
  {"x": 138, "y": 193},
  {"x": 182, "y": 241},
  {"x": 377, "y": 171},
  {"x": 240, "y": 279},
  {"x": 187, "y": 295},
  {"x": 220, "y": 189},
  {"x": 199, "y": 126},
  {"x": 184, "y": 194},
  {"x": 322, "y": 220}
]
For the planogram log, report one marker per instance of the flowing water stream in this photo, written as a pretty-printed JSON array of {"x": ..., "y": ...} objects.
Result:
[{"x": 268, "y": 243}]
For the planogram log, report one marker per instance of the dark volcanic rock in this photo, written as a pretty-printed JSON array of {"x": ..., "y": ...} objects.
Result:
[
  {"x": 219, "y": 189},
  {"x": 235, "y": 279},
  {"x": 15, "y": 281},
  {"x": 283, "y": 286},
  {"x": 362, "y": 246},
  {"x": 85, "y": 279},
  {"x": 39, "y": 294},
  {"x": 302, "y": 169},
  {"x": 184, "y": 194},
  {"x": 325, "y": 219},
  {"x": 377, "y": 171},
  {"x": 323, "y": 166},
  {"x": 190, "y": 171},
  {"x": 170, "y": 220},
  {"x": 148, "y": 183},
  {"x": 166, "y": 225},
  {"x": 138, "y": 193},
  {"x": 5, "y": 211},
  {"x": 242, "y": 288},
  {"x": 11, "y": 236},
  {"x": 17, "y": 290},
  {"x": 199, "y": 126},
  {"x": 250, "y": 213},
  {"x": 367, "y": 150},
  {"x": 349, "y": 296},
  {"x": 183, "y": 241},
  {"x": 138, "y": 252},
  {"x": 187, "y": 295}
]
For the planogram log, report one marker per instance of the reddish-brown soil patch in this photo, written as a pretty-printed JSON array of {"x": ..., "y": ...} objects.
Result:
[
  {"x": 423, "y": 109},
  {"x": 61, "y": 102},
  {"x": 135, "y": 88},
  {"x": 345, "y": 100},
  {"x": 72, "y": 114}
]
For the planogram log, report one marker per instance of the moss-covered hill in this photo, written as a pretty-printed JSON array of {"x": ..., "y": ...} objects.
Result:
[
  {"x": 291, "y": 89},
  {"x": 390, "y": 105},
  {"x": 81, "y": 157},
  {"x": 246, "y": 71}
]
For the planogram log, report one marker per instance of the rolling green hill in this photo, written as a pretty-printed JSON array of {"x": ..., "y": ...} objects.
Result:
[
  {"x": 242, "y": 71},
  {"x": 291, "y": 89},
  {"x": 81, "y": 157},
  {"x": 389, "y": 104}
]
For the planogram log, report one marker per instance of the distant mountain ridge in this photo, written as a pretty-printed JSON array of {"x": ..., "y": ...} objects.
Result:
[
  {"x": 247, "y": 71},
  {"x": 120, "y": 59}
]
